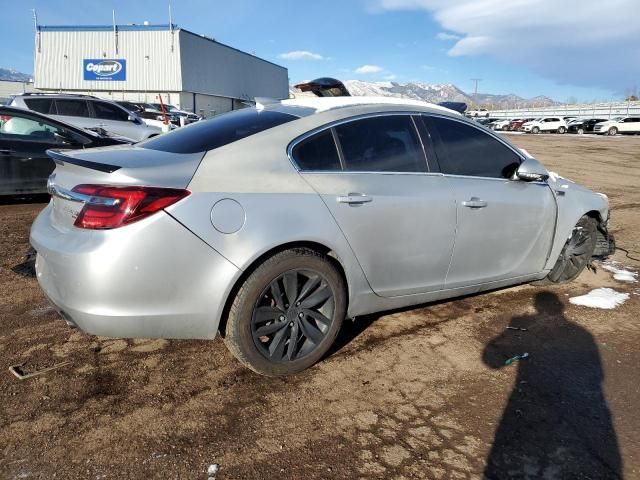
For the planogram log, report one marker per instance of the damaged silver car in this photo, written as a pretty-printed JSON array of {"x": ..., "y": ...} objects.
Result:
[{"x": 271, "y": 225}]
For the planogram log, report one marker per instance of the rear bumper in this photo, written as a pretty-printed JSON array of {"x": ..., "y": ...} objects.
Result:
[{"x": 150, "y": 279}]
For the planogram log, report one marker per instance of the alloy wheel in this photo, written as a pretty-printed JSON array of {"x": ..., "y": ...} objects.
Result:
[{"x": 292, "y": 315}]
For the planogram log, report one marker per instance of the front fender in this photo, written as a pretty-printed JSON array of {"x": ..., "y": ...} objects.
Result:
[{"x": 574, "y": 201}]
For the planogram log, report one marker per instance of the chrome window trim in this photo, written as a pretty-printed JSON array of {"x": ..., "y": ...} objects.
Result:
[{"x": 293, "y": 143}]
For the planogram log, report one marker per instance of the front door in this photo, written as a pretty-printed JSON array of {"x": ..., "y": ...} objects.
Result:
[
  {"x": 505, "y": 226},
  {"x": 398, "y": 217}
]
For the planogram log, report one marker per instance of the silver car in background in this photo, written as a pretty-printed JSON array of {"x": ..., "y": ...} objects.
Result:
[
  {"x": 272, "y": 224},
  {"x": 86, "y": 111}
]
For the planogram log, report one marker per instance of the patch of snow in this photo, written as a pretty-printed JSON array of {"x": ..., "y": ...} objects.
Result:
[
  {"x": 606, "y": 298},
  {"x": 212, "y": 471},
  {"x": 620, "y": 274}
]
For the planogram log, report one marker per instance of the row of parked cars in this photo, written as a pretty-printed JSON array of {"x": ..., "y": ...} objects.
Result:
[
  {"x": 33, "y": 123},
  {"x": 570, "y": 124}
]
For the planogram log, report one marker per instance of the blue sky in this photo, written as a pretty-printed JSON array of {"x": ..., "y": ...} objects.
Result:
[{"x": 526, "y": 47}]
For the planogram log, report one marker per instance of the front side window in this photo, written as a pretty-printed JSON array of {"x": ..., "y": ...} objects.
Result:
[
  {"x": 388, "y": 143},
  {"x": 18, "y": 127},
  {"x": 106, "y": 111},
  {"x": 72, "y": 108},
  {"x": 466, "y": 150},
  {"x": 317, "y": 153}
]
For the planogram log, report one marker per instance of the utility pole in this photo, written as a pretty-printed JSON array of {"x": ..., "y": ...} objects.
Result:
[{"x": 475, "y": 90}]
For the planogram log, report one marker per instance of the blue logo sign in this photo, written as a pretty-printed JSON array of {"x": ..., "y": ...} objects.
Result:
[{"x": 104, "y": 69}]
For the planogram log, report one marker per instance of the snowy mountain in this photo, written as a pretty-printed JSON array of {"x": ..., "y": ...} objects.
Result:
[
  {"x": 440, "y": 93},
  {"x": 13, "y": 75}
]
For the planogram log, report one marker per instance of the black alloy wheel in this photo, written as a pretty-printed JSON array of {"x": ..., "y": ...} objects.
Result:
[{"x": 293, "y": 315}]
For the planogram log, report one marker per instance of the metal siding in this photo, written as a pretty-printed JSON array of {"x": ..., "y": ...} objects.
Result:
[
  {"x": 211, "y": 68},
  {"x": 58, "y": 64}
]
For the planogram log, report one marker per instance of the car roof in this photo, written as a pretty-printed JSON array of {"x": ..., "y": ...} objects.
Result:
[{"x": 306, "y": 106}]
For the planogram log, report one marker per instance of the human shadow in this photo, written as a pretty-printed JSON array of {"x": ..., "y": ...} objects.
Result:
[{"x": 557, "y": 423}]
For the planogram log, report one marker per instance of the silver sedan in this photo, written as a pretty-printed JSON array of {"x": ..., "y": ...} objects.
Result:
[{"x": 271, "y": 225}]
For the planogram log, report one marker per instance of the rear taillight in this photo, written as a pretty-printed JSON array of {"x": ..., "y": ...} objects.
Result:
[{"x": 112, "y": 207}]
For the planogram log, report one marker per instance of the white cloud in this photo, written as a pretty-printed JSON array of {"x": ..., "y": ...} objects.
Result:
[
  {"x": 447, "y": 36},
  {"x": 301, "y": 55},
  {"x": 368, "y": 69},
  {"x": 587, "y": 43},
  {"x": 391, "y": 76}
]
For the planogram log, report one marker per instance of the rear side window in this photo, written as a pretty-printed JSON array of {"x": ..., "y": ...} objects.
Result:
[
  {"x": 317, "y": 153},
  {"x": 40, "y": 105},
  {"x": 218, "y": 131},
  {"x": 466, "y": 150},
  {"x": 106, "y": 111},
  {"x": 72, "y": 108},
  {"x": 387, "y": 143}
]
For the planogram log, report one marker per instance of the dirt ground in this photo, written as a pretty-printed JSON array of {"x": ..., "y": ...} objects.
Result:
[{"x": 418, "y": 393}]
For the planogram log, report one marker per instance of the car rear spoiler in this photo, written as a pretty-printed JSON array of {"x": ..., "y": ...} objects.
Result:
[
  {"x": 460, "y": 107},
  {"x": 324, "y": 87},
  {"x": 60, "y": 159}
]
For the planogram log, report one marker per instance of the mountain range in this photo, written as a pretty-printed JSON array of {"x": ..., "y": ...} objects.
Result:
[
  {"x": 441, "y": 93},
  {"x": 14, "y": 75}
]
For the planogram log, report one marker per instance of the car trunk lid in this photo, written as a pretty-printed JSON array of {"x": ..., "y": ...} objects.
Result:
[{"x": 124, "y": 165}]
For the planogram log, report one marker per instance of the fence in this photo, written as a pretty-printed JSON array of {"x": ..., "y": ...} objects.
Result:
[{"x": 600, "y": 110}]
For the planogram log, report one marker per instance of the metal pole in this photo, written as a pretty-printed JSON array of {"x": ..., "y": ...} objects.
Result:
[{"x": 115, "y": 32}]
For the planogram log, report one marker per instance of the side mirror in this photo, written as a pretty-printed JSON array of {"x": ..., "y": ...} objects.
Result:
[
  {"x": 532, "y": 170},
  {"x": 134, "y": 119}
]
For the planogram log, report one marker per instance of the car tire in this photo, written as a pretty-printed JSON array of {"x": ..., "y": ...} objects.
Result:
[
  {"x": 562, "y": 130},
  {"x": 263, "y": 321},
  {"x": 535, "y": 130},
  {"x": 581, "y": 131},
  {"x": 575, "y": 255},
  {"x": 612, "y": 131}
]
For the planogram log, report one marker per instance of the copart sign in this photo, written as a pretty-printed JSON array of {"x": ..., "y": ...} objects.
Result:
[{"x": 104, "y": 69}]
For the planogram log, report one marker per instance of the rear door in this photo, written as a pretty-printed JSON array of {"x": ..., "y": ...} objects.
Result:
[
  {"x": 397, "y": 215},
  {"x": 505, "y": 226}
]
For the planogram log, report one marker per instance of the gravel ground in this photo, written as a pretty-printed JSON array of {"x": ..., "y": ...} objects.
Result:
[{"x": 416, "y": 393}]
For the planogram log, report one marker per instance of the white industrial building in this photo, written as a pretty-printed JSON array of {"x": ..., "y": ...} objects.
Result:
[{"x": 140, "y": 62}]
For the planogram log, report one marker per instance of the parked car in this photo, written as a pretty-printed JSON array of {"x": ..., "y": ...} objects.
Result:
[
  {"x": 502, "y": 124},
  {"x": 85, "y": 111},
  {"x": 485, "y": 121},
  {"x": 584, "y": 125},
  {"x": 25, "y": 136},
  {"x": 516, "y": 124},
  {"x": 151, "y": 119},
  {"x": 545, "y": 124},
  {"x": 272, "y": 224},
  {"x": 618, "y": 125},
  {"x": 189, "y": 117}
]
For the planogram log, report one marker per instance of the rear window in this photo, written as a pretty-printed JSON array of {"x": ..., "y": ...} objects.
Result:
[{"x": 218, "y": 131}]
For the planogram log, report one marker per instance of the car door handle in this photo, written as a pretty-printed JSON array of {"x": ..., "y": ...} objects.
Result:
[
  {"x": 474, "y": 202},
  {"x": 354, "y": 199},
  {"x": 7, "y": 152}
]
